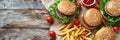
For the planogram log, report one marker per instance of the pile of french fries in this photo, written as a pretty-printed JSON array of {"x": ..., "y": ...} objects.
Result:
[{"x": 72, "y": 32}]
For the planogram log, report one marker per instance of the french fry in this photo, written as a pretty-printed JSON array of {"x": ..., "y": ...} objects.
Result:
[
  {"x": 72, "y": 37},
  {"x": 81, "y": 31},
  {"x": 84, "y": 33},
  {"x": 64, "y": 37},
  {"x": 77, "y": 39},
  {"x": 64, "y": 30},
  {"x": 73, "y": 32},
  {"x": 61, "y": 34},
  {"x": 76, "y": 27},
  {"x": 84, "y": 37},
  {"x": 78, "y": 31},
  {"x": 62, "y": 27},
  {"x": 89, "y": 32},
  {"x": 69, "y": 25},
  {"x": 68, "y": 36},
  {"x": 80, "y": 38}
]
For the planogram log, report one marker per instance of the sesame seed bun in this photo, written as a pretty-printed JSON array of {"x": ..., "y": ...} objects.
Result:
[
  {"x": 113, "y": 8},
  {"x": 92, "y": 17},
  {"x": 104, "y": 33},
  {"x": 66, "y": 7}
]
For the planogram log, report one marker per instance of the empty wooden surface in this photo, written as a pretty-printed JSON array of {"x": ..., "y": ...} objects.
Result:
[{"x": 23, "y": 20}]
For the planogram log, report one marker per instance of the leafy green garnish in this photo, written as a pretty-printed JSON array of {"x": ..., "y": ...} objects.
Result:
[
  {"x": 110, "y": 19},
  {"x": 54, "y": 15},
  {"x": 98, "y": 28}
]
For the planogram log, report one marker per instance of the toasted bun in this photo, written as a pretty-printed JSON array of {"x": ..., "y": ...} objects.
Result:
[
  {"x": 113, "y": 8},
  {"x": 66, "y": 7},
  {"x": 92, "y": 17},
  {"x": 104, "y": 34}
]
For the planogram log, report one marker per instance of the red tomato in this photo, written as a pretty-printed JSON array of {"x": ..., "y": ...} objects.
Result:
[
  {"x": 116, "y": 28},
  {"x": 78, "y": 4},
  {"x": 97, "y": 6},
  {"x": 52, "y": 34},
  {"x": 98, "y": 1},
  {"x": 77, "y": 22},
  {"x": 104, "y": 23},
  {"x": 49, "y": 19}
]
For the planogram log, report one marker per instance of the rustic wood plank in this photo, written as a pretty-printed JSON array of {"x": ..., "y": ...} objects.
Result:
[
  {"x": 24, "y": 25},
  {"x": 24, "y": 18},
  {"x": 23, "y": 34},
  {"x": 21, "y": 4}
]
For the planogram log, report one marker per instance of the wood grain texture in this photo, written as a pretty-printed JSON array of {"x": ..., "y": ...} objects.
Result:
[
  {"x": 21, "y": 4},
  {"x": 23, "y": 34},
  {"x": 23, "y": 20},
  {"x": 24, "y": 24}
]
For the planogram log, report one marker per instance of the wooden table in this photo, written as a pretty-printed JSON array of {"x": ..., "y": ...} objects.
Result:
[
  {"x": 23, "y": 20},
  {"x": 23, "y": 25}
]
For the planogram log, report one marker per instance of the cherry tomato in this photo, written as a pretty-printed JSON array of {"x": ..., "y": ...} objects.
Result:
[
  {"x": 98, "y": 1},
  {"x": 116, "y": 28},
  {"x": 97, "y": 6},
  {"x": 49, "y": 19},
  {"x": 77, "y": 22},
  {"x": 78, "y": 4},
  {"x": 52, "y": 34}
]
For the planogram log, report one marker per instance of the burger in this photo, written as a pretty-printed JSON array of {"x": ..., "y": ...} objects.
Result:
[
  {"x": 66, "y": 8},
  {"x": 113, "y": 8},
  {"x": 104, "y": 33},
  {"x": 92, "y": 18}
]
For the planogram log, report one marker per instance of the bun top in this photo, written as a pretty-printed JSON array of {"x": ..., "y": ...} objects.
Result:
[
  {"x": 66, "y": 7},
  {"x": 92, "y": 17},
  {"x": 104, "y": 34},
  {"x": 113, "y": 7}
]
